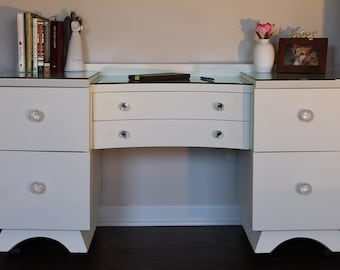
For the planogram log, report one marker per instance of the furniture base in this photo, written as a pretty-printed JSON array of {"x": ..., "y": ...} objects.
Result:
[
  {"x": 74, "y": 241},
  {"x": 267, "y": 241}
]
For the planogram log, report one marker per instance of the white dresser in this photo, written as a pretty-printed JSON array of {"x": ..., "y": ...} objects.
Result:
[
  {"x": 290, "y": 188},
  {"x": 53, "y": 131},
  {"x": 48, "y": 171}
]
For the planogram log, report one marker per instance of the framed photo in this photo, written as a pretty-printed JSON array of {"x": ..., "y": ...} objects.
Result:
[{"x": 302, "y": 55}]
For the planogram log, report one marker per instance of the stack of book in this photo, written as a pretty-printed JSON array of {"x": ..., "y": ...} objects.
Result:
[{"x": 40, "y": 44}]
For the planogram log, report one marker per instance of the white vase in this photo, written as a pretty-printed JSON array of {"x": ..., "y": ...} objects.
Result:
[{"x": 264, "y": 55}]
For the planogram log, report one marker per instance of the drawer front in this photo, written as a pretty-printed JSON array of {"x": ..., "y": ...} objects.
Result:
[
  {"x": 296, "y": 120},
  {"x": 296, "y": 191},
  {"x": 47, "y": 119},
  {"x": 181, "y": 133},
  {"x": 171, "y": 105},
  {"x": 43, "y": 190}
]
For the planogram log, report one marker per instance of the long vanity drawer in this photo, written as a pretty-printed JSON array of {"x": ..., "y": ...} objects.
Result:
[
  {"x": 296, "y": 120},
  {"x": 49, "y": 191},
  {"x": 186, "y": 133},
  {"x": 171, "y": 105},
  {"x": 46, "y": 119},
  {"x": 296, "y": 191}
]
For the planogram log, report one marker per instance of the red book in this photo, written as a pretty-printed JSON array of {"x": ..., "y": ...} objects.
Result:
[{"x": 57, "y": 46}]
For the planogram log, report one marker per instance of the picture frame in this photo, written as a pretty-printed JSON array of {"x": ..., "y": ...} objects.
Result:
[{"x": 301, "y": 55}]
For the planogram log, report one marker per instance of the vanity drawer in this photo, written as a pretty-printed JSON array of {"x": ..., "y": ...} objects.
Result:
[
  {"x": 171, "y": 105},
  {"x": 44, "y": 190},
  {"x": 296, "y": 120},
  {"x": 181, "y": 133},
  {"x": 296, "y": 191},
  {"x": 46, "y": 119}
]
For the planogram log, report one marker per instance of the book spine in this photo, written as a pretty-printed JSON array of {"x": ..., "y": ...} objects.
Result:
[
  {"x": 57, "y": 46},
  {"x": 21, "y": 42},
  {"x": 47, "y": 47},
  {"x": 28, "y": 41},
  {"x": 35, "y": 45},
  {"x": 40, "y": 45}
]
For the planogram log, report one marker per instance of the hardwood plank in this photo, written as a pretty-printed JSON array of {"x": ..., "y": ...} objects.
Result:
[{"x": 213, "y": 247}]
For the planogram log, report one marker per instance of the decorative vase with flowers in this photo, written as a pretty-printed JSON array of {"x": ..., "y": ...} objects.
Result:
[{"x": 264, "y": 53}]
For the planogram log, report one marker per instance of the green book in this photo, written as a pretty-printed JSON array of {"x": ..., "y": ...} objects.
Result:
[{"x": 156, "y": 77}]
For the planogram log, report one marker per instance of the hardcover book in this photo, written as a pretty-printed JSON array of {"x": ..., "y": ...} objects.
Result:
[
  {"x": 47, "y": 48},
  {"x": 156, "y": 77},
  {"x": 21, "y": 42},
  {"x": 40, "y": 45},
  {"x": 56, "y": 46},
  {"x": 28, "y": 41}
]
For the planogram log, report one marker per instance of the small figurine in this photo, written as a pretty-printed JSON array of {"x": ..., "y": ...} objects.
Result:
[{"x": 74, "y": 58}]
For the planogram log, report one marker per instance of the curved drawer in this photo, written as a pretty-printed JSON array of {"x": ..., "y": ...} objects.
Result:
[
  {"x": 181, "y": 133},
  {"x": 296, "y": 120},
  {"x": 50, "y": 191},
  {"x": 304, "y": 197},
  {"x": 171, "y": 105},
  {"x": 44, "y": 119}
]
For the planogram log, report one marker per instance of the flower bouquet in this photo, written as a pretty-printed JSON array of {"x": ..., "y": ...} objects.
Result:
[{"x": 265, "y": 30}]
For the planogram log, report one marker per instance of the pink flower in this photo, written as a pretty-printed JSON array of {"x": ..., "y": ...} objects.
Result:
[{"x": 264, "y": 31}]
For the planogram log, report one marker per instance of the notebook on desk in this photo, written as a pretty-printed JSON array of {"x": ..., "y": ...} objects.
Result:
[{"x": 159, "y": 77}]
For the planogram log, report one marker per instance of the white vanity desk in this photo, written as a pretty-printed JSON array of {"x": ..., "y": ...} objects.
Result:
[{"x": 285, "y": 130}]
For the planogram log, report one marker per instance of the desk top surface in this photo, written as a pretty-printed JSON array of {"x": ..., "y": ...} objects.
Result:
[
  {"x": 98, "y": 78},
  {"x": 290, "y": 76},
  {"x": 193, "y": 80}
]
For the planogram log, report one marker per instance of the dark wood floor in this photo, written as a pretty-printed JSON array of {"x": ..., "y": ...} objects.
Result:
[{"x": 170, "y": 248}]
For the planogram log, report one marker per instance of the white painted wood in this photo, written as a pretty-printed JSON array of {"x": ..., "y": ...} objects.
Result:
[
  {"x": 65, "y": 205},
  {"x": 267, "y": 241},
  {"x": 276, "y": 203},
  {"x": 170, "y": 87},
  {"x": 277, "y": 126},
  {"x": 74, "y": 241},
  {"x": 285, "y": 153},
  {"x": 171, "y": 105},
  {"x": 64, "y": 123},
  {"x": 67, "y": 80},
  {"x": 46, "y": 127},
  {"x": 177, "y": 215},
  {"x": 266, "y": 81},
  {"x": 171, "y": 115},
  {"x": 179, "y": 133}
]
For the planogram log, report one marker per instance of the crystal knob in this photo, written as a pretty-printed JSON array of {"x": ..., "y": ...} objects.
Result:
[
  {"x": 303, "y": 188},
  {"x": 306, "y": 115},
  {"x": 124, "y": 106},
  {"x": 36, "y": 116},
  {"x": 219, "y": 106},
  {"x": 38, "y": 188},
  {"x": 124, "y": 134},
  {"x": 218, "y": 134}
]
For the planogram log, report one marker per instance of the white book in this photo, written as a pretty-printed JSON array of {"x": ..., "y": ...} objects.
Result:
[
  {"x": 35, "y": 45},
  {"x": 21, "y": 42}
]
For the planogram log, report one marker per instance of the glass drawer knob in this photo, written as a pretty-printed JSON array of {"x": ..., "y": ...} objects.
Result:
[
  {"x": 124, "y": 134},
  {"x": 303, "y": 188},
  {"x": 219, "y": 106},
  {"x": 36, "y": 116},
  {"x": 124, "y": 106},
  {"x": 38, "y": 188},
  {"x": 218, "y": 134},
  {"x": 306, "y": 115}
]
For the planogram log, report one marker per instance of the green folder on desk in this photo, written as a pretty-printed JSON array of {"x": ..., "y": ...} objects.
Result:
[{"x": 157, "y": 77}]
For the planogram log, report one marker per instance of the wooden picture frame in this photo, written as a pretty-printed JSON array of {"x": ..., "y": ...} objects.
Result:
[{"x": 302, "y": 55}]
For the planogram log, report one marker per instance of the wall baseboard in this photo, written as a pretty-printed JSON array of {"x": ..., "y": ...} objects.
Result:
[{"x": 178, "y": 215}]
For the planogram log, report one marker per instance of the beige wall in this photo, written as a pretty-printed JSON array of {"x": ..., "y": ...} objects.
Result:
[{"x": 130, "y": 31}]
